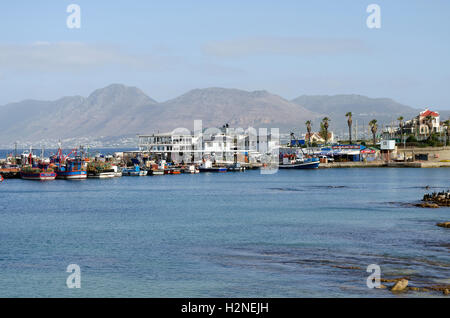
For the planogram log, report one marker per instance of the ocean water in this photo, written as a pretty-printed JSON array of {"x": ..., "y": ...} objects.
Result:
[{"x": 291, "y": 234}]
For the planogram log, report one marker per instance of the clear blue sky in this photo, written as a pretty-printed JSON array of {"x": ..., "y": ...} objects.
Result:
[{"x": 288, "y": 47}]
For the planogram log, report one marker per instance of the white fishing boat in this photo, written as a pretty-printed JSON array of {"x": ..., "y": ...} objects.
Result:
[
  {"x": 117, "y": 171},
  {"x": 103, "y": 175},
  {"x": 134, "y": 171},
  {"x": 298, "y": 162},
  {"x": 208, "y": 167},
  {"x": 191, "y": 169}
]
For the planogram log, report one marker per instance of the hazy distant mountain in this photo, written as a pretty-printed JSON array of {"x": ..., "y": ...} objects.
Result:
[
  {"x": 112, "y": 111},
  {"x": 118, "y": 110},
  {"x": 218, "y": 106}
]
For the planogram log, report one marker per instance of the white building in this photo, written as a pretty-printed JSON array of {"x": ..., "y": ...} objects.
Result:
[
  {"x": 221, "y": 146},
  {"x": 423, "y": 117}
]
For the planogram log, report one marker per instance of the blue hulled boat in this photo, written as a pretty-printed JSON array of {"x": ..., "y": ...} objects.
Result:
[
  {"x": 69, "y": 168},
  {"x": 310, "y": 163},
  {"x": 72, "y": 169}
]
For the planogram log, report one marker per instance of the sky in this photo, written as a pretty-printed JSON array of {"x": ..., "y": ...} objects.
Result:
[{"x": 287, "y": 47}]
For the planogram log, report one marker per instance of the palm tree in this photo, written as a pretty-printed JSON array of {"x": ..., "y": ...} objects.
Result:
[
  {"x": 400, "y": 124},
  {"x": 429, "y": 123},
  {"x": 308, "y": 129},
  {"x": 373, "y": 127},
  {"x": 349, "y": 123},
  {"x": 325, "y": 125},
  {"x": 447, "y": 130}
]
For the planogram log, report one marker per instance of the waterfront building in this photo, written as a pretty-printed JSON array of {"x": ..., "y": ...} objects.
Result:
[
  {"x": 317, "y": 138},
  {"x": 222, "y": 146},
  {"x": 420, "y": 126},
  {"x": 425, "y": 126}
]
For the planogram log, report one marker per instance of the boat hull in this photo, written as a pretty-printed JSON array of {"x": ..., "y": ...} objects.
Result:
[
  {"x": 304, "y": 165},
  {"x": 213, "y": 169},
  {"x": 134, "y": 173},
  {"x": 102, "y": 175},
  {"x": 191, "y": 171},
  {"x": 42, "y": 176},
  {"x": 72, "y": 175}
]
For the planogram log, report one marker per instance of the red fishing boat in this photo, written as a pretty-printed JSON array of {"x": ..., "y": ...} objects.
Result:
[
  {"x": 37, "y": 171},
  {"x": 41, "y": 172}
]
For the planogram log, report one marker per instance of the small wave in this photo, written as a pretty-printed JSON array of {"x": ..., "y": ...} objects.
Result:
[
  {"x": 426, "y": 187},
  {"x": 402, "y": 204},
  {"x": 287, "y": 189},
  {"x": 330, "y": 187}
]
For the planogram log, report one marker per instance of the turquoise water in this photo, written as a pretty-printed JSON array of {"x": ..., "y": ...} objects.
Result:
[{"x": 223, "y": 235}]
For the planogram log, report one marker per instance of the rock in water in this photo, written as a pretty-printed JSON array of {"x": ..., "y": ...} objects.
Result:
[
  {"x": 428, "y": 205},
  {"x": 400, "y": 285},
  {"x": 444, "y": 224}
]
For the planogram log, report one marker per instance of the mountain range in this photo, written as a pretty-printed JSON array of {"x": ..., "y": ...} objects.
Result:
[{"x": 119, "y": 111}]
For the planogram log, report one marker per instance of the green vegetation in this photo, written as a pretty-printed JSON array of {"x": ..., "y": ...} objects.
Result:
[
  {"x": 324, "y": 129},
  {"x": 349, "y": 123},
  {"x": 373, "y": 128},
  {"x": 98, "y": 167},
  {"x": 308, "y": 129}
]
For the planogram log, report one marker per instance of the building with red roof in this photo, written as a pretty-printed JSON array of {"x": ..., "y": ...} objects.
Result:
[{"x": 428, "y": 121}]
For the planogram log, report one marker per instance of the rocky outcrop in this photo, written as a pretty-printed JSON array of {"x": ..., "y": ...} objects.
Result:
[
  {"x": 393, "y": 280},
  {"x": 400, "y": 285},
  {"x": 444, "y": 224},
  {"x": 438, "y": 198},
  {"x": 428, "y": 205}
]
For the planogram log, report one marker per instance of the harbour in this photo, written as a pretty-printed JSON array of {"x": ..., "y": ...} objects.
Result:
[
  {"x": 228, "y": 217},
  {"x": 296, "y": 233},
  {"x": 225, "y": 157}
]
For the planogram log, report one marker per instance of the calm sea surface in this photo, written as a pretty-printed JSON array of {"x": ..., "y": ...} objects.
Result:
[{"x": 223, "y": 235}]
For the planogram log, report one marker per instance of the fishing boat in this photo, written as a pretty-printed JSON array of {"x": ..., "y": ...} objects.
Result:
[
  {"x": 41, "y": 172},
  {"x": 10, "y": 171},
  {"x": 235, "y": 167},
  {"x": 156, "y": 172},
  {"x": 290, "y": 162},
  {"x": 72, "y": 169},
  {"x": 156, "y": 169},
  {"x": 105, "y": 174},
  {"x": 69, "y": 168},
  {"x": 100, "y": 170},
  {"x": 134, "y": 171},
  {"x": 173, "y": 170},
  {"x": 191, "y": 169},
  {"x": 117, "y": 171},
  {"x": 208, "y": 167}
]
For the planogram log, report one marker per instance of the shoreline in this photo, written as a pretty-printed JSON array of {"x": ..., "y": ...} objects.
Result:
[{"x": 382, "y": 164}]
